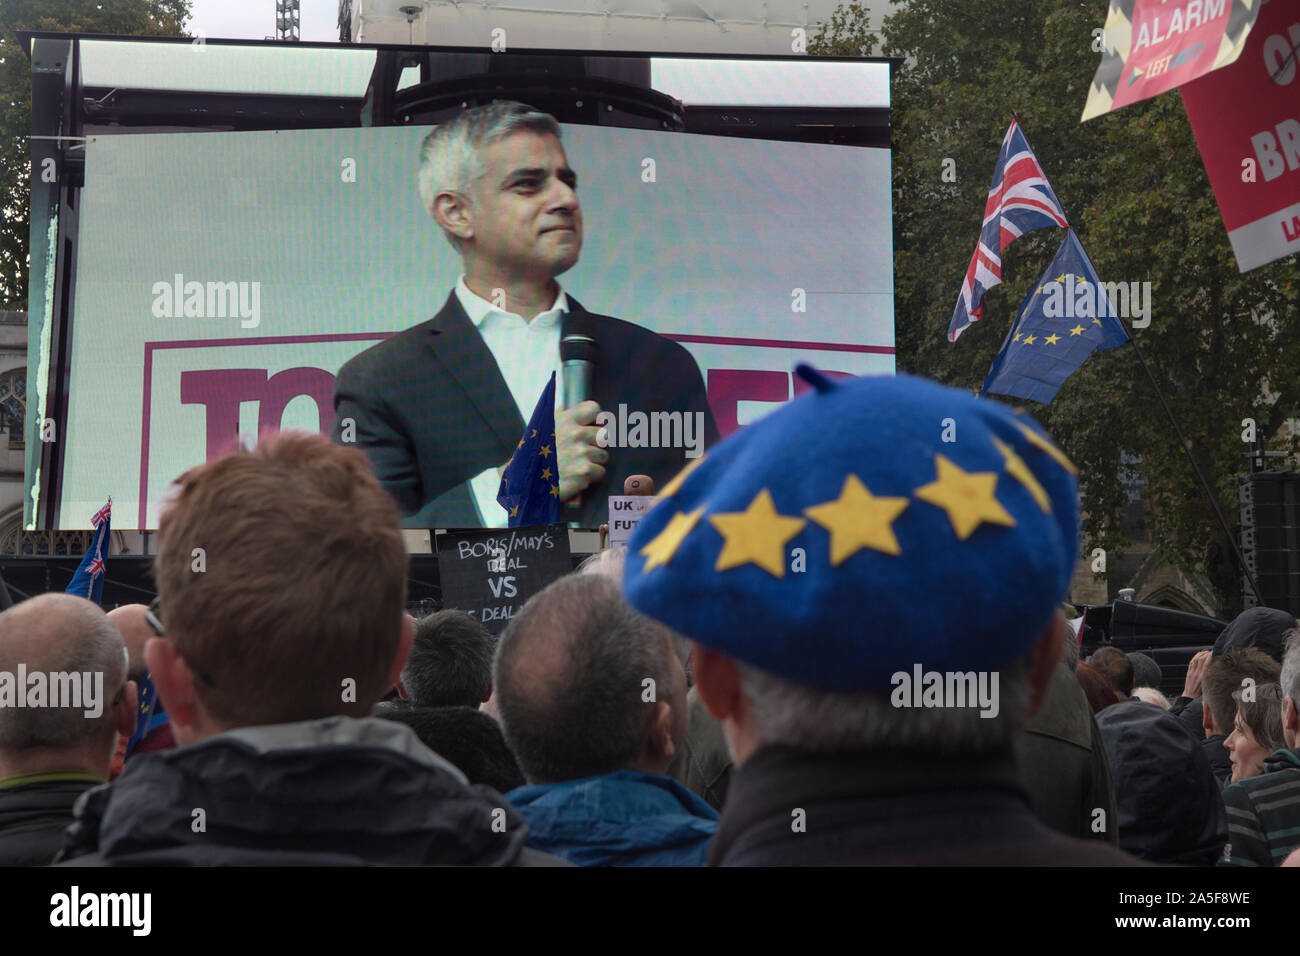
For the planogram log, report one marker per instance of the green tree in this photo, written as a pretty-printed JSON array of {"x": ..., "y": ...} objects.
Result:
[
  {"x": 124, "y": 17},
  {"x": 1223, "y": 346}
]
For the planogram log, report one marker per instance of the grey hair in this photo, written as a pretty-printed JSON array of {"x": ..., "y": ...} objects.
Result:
[
  {"x": 787, "y": 712},
  {"x": 609, "y": 562},
  {"x": 1070, "y": 648},
  {"x": 451, "y": 157},
  {"x": 97, "y": 649},
  {"x": 1290, "y": 680},
  {"x": 587, "y": 715}
]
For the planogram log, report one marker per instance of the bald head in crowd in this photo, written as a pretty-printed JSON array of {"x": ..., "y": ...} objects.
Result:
[
  {"x": 75, "y": 694},
  {"x": 136, "y": 632},
  {"x": 573, "y": 675}
]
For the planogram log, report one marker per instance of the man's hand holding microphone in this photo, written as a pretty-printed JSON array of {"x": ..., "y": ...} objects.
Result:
[{"x": 578, "y": 448}]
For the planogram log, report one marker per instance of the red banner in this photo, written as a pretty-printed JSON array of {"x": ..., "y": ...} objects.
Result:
[{"x": 1246, "y": 118}]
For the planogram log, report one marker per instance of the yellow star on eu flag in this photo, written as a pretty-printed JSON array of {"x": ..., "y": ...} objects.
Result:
[
  {"x": 757, "y": 535},
  {"x": 1052, "y": 339},
  {"x": 555, "y": 491},
  {"x": 546, "y": 474},
  {"x": 664, "y": 545},
  {"x": 858, "y": 519},
  {"x": 967, "y": 497},
  {"x": 1077, "y": 330},
  {"x": 544, "y": 451},
  {"x": 1030, "y": 340},
  {"x": 1017, "y": 338}
]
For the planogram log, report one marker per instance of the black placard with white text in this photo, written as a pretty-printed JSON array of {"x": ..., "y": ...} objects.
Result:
[{"x": 489, "y": 574}]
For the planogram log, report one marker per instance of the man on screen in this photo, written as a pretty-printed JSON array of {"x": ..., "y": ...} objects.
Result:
[{"x": 440, "y": 407}]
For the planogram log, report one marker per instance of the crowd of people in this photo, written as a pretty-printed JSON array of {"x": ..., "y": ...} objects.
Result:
[{"x": 859, "y": 658}]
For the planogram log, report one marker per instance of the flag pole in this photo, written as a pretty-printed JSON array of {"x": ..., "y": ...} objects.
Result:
[{"x": 1196, "y": 469}]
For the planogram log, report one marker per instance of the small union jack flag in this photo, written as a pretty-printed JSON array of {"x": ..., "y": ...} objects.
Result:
[
  {"x": 1020, "y": 201},
  {"x": 88, "y": 581}
]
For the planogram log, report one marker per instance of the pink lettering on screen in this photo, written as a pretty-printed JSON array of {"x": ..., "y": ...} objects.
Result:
[
  {"x": 222, "y": 391},
  {"x": 730, "y": 386}
]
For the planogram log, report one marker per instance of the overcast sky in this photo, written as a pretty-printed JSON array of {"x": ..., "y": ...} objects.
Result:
[{"x": 255, "y": 19}]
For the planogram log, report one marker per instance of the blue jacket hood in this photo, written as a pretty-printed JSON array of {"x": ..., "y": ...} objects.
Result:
[{"x": 625, "y": 818}]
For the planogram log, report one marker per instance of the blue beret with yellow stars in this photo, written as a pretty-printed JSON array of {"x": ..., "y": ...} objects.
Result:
[{"x": 869, "y": 525}]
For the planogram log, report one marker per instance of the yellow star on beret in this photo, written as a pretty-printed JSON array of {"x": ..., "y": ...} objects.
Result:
[
  {"x": 664, "y": 545},
  {"x": 1017, "y": 468},
  {"x": 967, "y": 497},
  {"x": 858, "y": 519},
  {"x": 672, "y": 486},
  {"x": 1043, "y": 445},
  {"x": 757, "y": 535}
]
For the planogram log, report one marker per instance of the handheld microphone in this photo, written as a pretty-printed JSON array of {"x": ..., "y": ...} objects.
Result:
[{"x": 578, "y": 354}]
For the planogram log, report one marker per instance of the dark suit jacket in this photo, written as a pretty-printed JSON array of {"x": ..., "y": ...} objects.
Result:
[{"x": 432, "y": 410}]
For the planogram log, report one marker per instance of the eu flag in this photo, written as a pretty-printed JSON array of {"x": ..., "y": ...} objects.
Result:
[
  {"x": 1066, "y": 318},
  {"x": 530, "y": 485},
  {"x": 88, "y": 582}
]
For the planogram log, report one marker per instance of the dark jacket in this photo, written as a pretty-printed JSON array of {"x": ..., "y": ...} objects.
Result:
[
  {"x": 1219, "y": 759},
  {"x": 625, "y": 818},
  {"x": 1264, "y": 813},
  {"x": 703, "y": 764},
  {"x": 432, "y": 410},
  {"x": 332, "y": 792},
  {"x": 792, "y": 807},
  {"x": 1259, "y": 627},
  {"x": 1190, "y": 712},
  {"x": 35, "y": 809},
  {"x": 1170, "y": 810},
  {"x": 465, "y": 736},
  {"x": 1063, "y": 763}
]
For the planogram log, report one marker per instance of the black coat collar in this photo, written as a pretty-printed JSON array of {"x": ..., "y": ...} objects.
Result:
[{"x": 778, "y": 778}]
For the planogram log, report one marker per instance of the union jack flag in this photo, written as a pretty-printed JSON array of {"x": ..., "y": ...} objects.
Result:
[
  {"x": 88, "y": 581},
  {"x": 1020, "y": 201}
]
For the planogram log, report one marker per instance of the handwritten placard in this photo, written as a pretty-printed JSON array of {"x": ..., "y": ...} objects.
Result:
[{"x": 489, "y": 574}]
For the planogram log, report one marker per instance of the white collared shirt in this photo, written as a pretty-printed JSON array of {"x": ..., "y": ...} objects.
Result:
[{"x": 527, "y": 353}]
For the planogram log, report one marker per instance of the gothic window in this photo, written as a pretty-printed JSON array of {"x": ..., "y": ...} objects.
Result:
[{"x": 13, "y": 404}]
